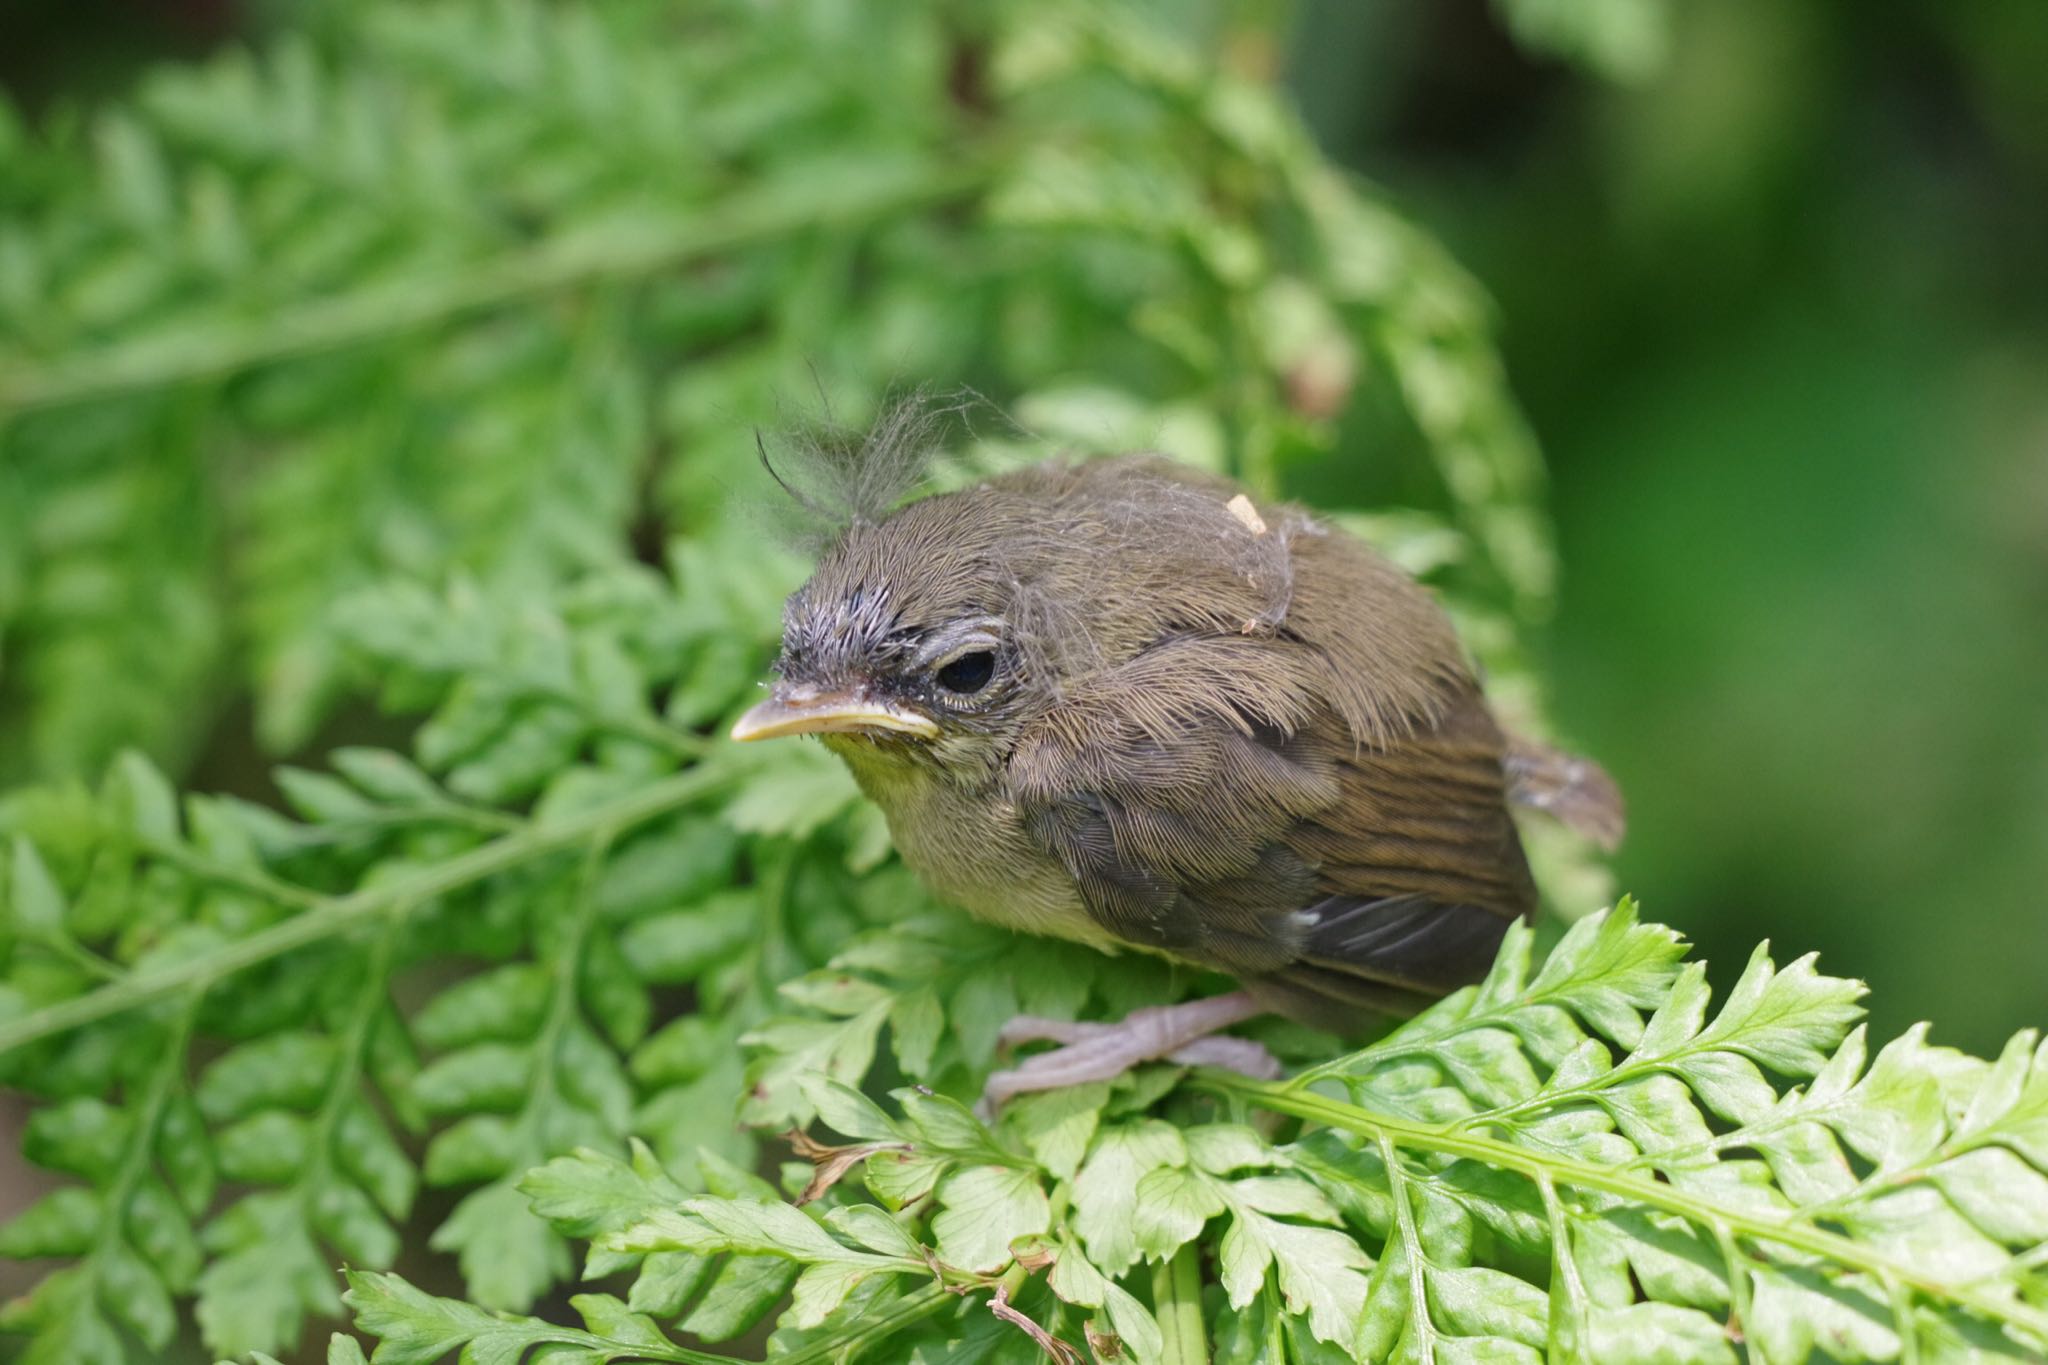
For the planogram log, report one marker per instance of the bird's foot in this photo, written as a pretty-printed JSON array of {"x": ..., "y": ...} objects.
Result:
[{"x": 1184, "y": 1033}]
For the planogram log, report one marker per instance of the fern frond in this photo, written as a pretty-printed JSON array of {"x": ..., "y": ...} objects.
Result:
[
  {"x": 1578, "y": 1157},
  {"x": 1581, "y": 1159},
  {"x": 543, "y": 830},
  {"x": 113, "y": 604},
  {"x": 1843, "y": 1215},
  {"x": 131, "y": 1228},
  {"x": 468, "y": 286},
  {"x": 1578, "y": 1163},
  {"x": 295, "y": 1116},
  {"x": 437, "y": 217}
]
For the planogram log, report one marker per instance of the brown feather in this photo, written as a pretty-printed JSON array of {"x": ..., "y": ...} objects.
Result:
[
  {"x": 1575, "y": 791},
  {"x": 1223, "y": 733}
]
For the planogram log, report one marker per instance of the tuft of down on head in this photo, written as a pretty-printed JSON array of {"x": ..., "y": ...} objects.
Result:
[{"x": 838, "y": 477}]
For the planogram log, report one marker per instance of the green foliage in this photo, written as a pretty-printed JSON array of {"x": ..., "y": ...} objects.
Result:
[
  {"x": 1577, "y": 1161},
  {"x": 256, "y": 1036},
  {"x": 325, "y": 1107},
  {"x": 348, "y": 367},
  {"x": 479, "y": 286},
  {"x": 1537, "y": 1167},
  {"x": 1626, "y": 39}
]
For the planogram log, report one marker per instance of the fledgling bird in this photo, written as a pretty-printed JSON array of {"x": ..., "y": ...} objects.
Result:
[{"x": 1120, "y": 703}]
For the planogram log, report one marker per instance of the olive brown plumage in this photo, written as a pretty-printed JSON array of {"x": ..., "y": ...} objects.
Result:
[{"x": 1118, "y": 702}]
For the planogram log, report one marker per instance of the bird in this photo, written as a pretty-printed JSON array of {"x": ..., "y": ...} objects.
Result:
[{"x": 1120, "y": 701}]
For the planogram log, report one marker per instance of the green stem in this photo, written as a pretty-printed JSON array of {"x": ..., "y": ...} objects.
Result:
[
  {"x": 167, "y": 1073},
  {"x": 81, "y": 957},
  {"x": 351, "y": 1057},
  {"x": 2023, "y": 1264},
  {"x": 333, "y": 915},
  {"x": 1794, "y": 1232},
  {"x": 199, "y": 867},
  {"x": 1567, "y": 1329},
  {"x": 1177, "y": 1303},
  {"x": 365, "y": 314},
  {"x": 565, "y": 969},
  {"x": 479, "y": 818},
  {"x": 1901, "y": 1301},
  {"x": 1421, "y": 1324},
  {"x": 1738, "y": 1279}
]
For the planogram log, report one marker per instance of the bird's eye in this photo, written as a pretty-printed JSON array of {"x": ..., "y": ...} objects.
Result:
[{"x": 969, "y": 672}]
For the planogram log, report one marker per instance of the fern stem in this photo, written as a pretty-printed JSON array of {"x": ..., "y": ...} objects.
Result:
[
  {"x": 1419, "y": 1320},
  {"x": 345, "y": 319},
  {"x": 198, "y": 866},
  {"x": 82, "y": 957},
  {"x": 1902, "y": 1320},
  {"x": 165, "y": 1075},
  {"x": 1738, "y": 1278},
  {"x": 565, "y": 970},
  {"x": 478, "y": 818},
  {"x": 1563, "y": 1256},
  {"x": 339, "y": 914},
  {"x": 1177, "y": 1303},
  {"x": 2025, "y": 1262},
  {"x": 350, "y": 1058},
  {"x": 1539, "y": 1166}
]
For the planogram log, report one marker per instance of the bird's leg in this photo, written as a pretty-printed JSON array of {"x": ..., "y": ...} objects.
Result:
[
  {"x": 1036, "y": 1028},
  {"x": 1228, "y": 1053},
  {"x": 1101, "y": 1052}
]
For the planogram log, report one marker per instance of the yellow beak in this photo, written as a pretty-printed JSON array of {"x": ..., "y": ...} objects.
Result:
[{"x": 806, "y": 711}]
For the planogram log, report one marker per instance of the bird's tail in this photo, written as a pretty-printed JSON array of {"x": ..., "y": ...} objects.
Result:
[{"x": 1575, "y": 791}]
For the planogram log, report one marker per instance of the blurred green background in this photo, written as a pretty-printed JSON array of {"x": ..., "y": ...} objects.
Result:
[
  {"x": 1779, "y": 314},
  {"x": 1776, "y": 301}
]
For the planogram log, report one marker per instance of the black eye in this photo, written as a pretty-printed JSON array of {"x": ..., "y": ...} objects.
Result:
[{"x": 969, "y": 672}]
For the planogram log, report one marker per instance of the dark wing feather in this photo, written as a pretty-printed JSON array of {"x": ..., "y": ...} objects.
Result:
[
  {"x": 1209, "y": 804},
  {"x": 1426, "y": 814}
]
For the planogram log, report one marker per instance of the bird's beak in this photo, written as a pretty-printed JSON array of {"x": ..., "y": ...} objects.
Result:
[{"x": 808, "y": 711}]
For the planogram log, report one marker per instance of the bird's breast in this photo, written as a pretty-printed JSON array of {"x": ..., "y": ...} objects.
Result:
[{"x": 970, "y": 847}]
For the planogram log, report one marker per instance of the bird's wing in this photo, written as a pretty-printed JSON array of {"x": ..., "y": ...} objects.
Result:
[{"x": 1210, "y": 806}]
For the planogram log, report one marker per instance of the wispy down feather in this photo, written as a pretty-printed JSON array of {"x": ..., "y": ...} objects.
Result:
[{"x": 837, "y": 477}]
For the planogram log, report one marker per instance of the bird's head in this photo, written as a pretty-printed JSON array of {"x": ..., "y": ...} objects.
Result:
[
  {"x": 914, "y": 640},
  {"x": 939, "y": 631}
]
